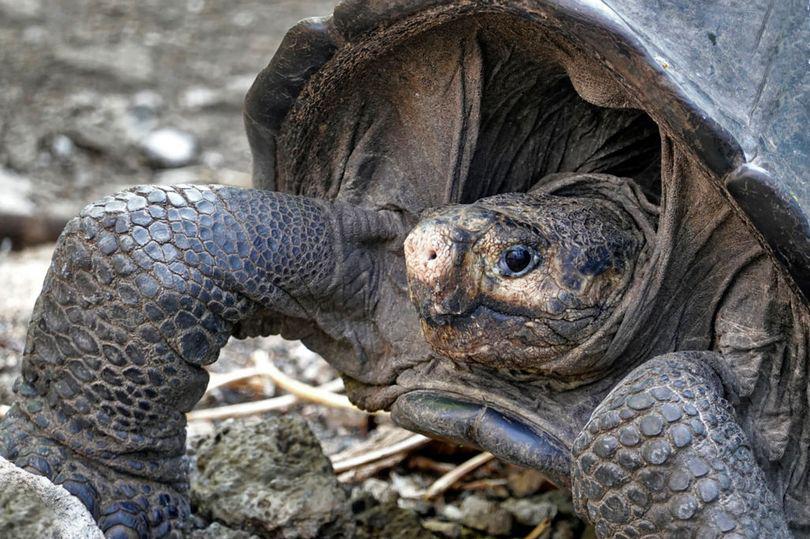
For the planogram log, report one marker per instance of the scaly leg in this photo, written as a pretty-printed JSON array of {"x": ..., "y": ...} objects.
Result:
[
  {"x": 663, "y": 456},
  {"x": 144, "y": 289}
]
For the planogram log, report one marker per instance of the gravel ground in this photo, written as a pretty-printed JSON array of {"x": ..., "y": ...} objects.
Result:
[{"x": 90, "y": 89}]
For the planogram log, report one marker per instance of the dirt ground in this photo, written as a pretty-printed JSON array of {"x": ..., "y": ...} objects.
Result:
[{"x": 86, "y": 83}]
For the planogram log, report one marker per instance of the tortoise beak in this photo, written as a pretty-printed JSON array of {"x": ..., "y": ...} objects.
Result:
[
  {"x": 434, "y": 257},
  {"x": 459, "y": 421}
]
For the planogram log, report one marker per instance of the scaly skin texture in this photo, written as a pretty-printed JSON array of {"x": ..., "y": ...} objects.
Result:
[
  {"x": 664, "y": 454},
  {"x": 144, "y": 289}
]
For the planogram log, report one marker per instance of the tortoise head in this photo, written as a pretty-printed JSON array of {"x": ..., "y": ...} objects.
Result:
[{"x": 518, "y": 281}]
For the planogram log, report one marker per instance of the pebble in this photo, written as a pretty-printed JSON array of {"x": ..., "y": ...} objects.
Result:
[
  {"x": 16, "y": 191},
  {"x": 445, "y": 529},
  {"x": 485, "y": 515},
  {"x": 62, "y": 146},
  {"x": 169, "y": 148},
  {"x": 380, "y": 490},
  {"x": 530, "y": 511},
  {"x": 523, "y": 482}
]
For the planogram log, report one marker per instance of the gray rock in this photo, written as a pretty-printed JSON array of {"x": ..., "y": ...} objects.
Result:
[
  {"x": 485, "y": 515},
  {"x": 169, "y": 148},
  {"x": 380, "y": 490},
  {"x": 218, "y": 531},
  {"x": 21, "y": 10},
  {"x": 451, "y": 512},
  {"x": 442, "y": 528},
  {"x": 530, "y": 511},
  {"x": 16, "y": 189},
  {"x": 387, "y": 521},
  {"x": 272, "y": 479},
  {"x": 127, "y": 62},
  {"x": 62, "y": 146},
  {"x": 32, "y": 506},
  {"x": 525, "y": 482},
  {"x": 559, "y": 498}
]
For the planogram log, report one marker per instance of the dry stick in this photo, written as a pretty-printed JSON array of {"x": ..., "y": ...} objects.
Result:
[
  {"x": 361, "y": 473},
  {"x": 449, "y": 479},
  {"x": 540, "y": 529},
  {"x": 226, "y": 378},
  {"x": 257, "y": 407},
  {"x": 300, "y": 389},
  {"x": 412, "y": 442}
]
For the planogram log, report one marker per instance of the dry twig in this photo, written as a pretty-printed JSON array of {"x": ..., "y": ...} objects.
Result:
[
  {"x": 299, "y": 389},
  {"x": 257, "y": 407},
  {"x": 540, "y": 529},
  {"x": 227, "y": 378},
  {"x": 408, "y": 444},
  {"x": 361, "y": 473},
  {"x": 449, "y": 479}
]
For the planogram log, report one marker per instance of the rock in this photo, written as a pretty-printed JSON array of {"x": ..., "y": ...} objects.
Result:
[
  {"x": 16, "y": 191},
  {"x": 407, "y": 486},
  {"x": 563, "y": 530},
  {"x": 451, "y": 512},
  {"x": 127, "y": 62},
  {"x": 21, "y": 221},
  {"x": 32, "y": 506},
  {"x": 218, "y": 531},
  {"x": 21, "y": 10},
  {"x": 440, "y": 527},
  {"x": 169, "y": 148},
  {"x": 380, "y": 490},
  {"x": 530, "y": 511},
  {"x": 62, "y": 146},
  {"x": 272, "y": 479},
  {"x": 485, "y": 515},
  {"x": 525, "y": 482},
  {"x": 226, "y": 98},
  {"x": 387, "y": 521},
  {"x": 561, "y": 499}
]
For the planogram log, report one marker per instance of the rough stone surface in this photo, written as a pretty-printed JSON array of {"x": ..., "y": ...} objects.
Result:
[
  {"x": 272, "y": 479},
  {"x": 485, "y": 515},
  {"x": 387, "y": 520},
  {"x": 31, "y": 506},
  {"x": 218, "y": 531},
  {"x": 530, "y": 511}
]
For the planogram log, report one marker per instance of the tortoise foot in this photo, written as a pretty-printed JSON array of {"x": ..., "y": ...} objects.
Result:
[
  {"x": 663, "y": 455},
  {"x": 123, "y": 505}
]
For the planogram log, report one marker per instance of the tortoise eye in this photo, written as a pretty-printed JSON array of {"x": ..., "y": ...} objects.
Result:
[{"x": 518, "y": 260}]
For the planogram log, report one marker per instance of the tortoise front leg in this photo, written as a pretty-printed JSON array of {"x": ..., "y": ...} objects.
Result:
[
  {"x": 144, "y": 289},
  {"x": 663, "y": 456}
]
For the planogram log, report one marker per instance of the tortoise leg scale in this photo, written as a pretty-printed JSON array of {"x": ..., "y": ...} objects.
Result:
[
  {"x": 144, "y": 289},
  {"x": 663, "y": 456}
]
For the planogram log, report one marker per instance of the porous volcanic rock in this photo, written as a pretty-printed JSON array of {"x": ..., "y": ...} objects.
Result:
[{"x": 272, "y": 479}]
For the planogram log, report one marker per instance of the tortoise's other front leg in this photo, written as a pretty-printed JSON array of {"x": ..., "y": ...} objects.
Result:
[
  {"x": 664, "y": 456},
  {"x": 144, "y": 289}
]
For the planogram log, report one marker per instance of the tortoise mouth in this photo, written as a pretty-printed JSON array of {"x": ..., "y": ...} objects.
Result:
[{"x": 507, "y": 435}]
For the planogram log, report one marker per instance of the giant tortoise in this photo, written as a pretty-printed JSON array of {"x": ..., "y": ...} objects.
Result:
[{"x": 569, "y": 232}]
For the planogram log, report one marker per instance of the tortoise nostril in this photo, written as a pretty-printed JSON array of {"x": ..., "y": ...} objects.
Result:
[{"x": 432, "y": 254}]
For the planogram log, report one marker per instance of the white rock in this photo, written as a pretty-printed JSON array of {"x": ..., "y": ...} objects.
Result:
[
  {"x": 169, "y": 148},
  {"x": 16, "y": 191},
  {"x": 62, "y": 146},
  {"x": 35, "y": 507}
]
